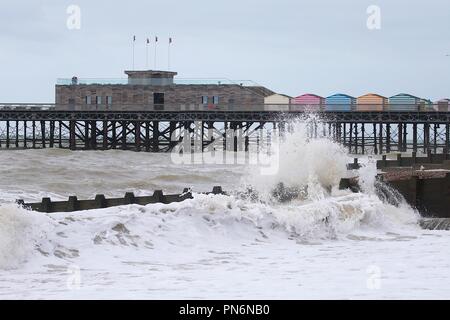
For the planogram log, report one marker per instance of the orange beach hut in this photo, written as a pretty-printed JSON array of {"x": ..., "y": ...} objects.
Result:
[{"x": 371, "y": 102}]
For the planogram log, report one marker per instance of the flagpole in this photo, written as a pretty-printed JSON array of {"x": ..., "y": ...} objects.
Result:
[
  {"x": 168, "y": 54},
  {"x": 134, "y": 40},
  {"x": 146, "y": 55},
  {"x": 156, "y": 43}
]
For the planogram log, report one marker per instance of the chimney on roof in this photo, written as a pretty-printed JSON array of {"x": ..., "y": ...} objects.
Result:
[{"x": 150, "y": 77}]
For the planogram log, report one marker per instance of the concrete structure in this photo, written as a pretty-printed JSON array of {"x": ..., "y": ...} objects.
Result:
[
  {"x": 371, "y": 102},
  {"x": 423, "y": 181},
  {"x": 156, "y": 90}
]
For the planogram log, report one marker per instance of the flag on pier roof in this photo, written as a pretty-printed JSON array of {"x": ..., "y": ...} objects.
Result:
[
  {"x": 156, "y": 38},
  {"x": 134, "y": 38},
  {"x": 170, "y": 40},
  {"x": 148, "y": 40}
]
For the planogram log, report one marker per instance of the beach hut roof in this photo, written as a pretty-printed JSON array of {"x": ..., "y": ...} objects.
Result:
[
  {"x": 309, "y": 94},
  {"x": 406, "y": 95},
  {"x": 279, "y": 94},
  {"x": 372, "y": 94},
  {"x": 341, "y": 94}
]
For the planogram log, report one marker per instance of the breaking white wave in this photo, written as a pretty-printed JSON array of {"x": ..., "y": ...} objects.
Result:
[
  {"x": 207, "y": 218},
  {"x": 322, "y": 212},
  {"x": 20, "y": 232}
]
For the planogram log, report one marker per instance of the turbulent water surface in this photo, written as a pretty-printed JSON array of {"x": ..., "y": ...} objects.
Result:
[{"x": 324, "y": 244}]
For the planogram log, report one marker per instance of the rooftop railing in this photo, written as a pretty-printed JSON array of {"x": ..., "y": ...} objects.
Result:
[{"x": 178, "y": 81}]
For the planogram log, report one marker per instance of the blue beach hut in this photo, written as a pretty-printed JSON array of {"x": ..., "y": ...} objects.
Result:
[
  {"x": 404, "y": 102},
  {"x": 339, "y": 102}
]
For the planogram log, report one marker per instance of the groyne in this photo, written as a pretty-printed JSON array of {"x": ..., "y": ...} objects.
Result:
[{"x": 100, "y": 201}]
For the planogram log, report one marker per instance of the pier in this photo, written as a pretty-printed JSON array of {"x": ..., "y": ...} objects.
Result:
[{"x": 143, "y": 128}]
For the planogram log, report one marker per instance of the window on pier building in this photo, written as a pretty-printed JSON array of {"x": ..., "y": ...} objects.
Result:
[
  {"x": 204, "y": 99},
  {"x": 215, "y": 99},
  {"x": 98, "y": 100},
  {"x": 88, "y": 100},
  {"x": 108, "y": 99},
  {"x": 158, "y": 98}
]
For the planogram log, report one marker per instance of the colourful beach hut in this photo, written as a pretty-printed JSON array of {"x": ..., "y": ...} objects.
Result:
[
  {"x": 426, "y": 105},
  {"x": 371, "y": 102},
  {"x": 443, "y": 105},
  {"x": 307, "y": 101},
  {"x": 277, "y": 102},
  {"x": 339, "y": 102},
  {"x": 404, "y": 102}
]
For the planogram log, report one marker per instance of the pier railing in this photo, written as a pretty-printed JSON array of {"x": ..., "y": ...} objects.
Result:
[{"x": 282, "y": 108}]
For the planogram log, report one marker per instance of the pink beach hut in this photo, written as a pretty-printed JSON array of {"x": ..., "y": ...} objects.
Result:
[{"x": 308, "y": 101}]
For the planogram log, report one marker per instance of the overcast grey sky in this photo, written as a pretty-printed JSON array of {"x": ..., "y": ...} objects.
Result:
[{"x": 292, "y": 47}]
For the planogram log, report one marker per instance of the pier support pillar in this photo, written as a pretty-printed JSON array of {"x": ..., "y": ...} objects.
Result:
[
  {"x": 43, "y": 134},
  {"x": 405, "y": 136},
  {"x": 350, "y": 140},
  {"x": 113, "y": 134},
  {"x": 363, "y": 133},
  {"x": 105, "y": 135},
  {"x": 86, "y": 135},
  {"x": 137, "y": 135},
  {"x": 33, "y": 125},
  {"x": 72, "y": 145},
  {"x": 124, "y": 125},
  {"x": 60, "y": 134},
  {"x": 25, "y": 134},
  {"x": 426, "y": 137},
  {"x": 7, "y": 134},
  {"x": 17, "y": 134},
  {"x": 380, "y": 142},
  {"x": 435, "y": 131},
  {"x": 388, "y": 137},
  {"x": 52, "y": 134},
  {"x": 147, "y": 136},
  {"x": 93, "y": 135},
  {"x": 414, "y": 137},
  {"x": 375, "y": 148},
  {"x": 225, "y": 128},
  {"x": 155, "y": 139},
  {"x": 447, "y": 136}
]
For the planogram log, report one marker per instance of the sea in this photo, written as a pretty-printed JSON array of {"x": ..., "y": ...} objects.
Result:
[{"x": 325, "y": 243}]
